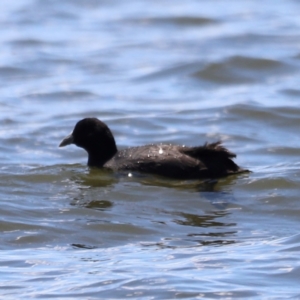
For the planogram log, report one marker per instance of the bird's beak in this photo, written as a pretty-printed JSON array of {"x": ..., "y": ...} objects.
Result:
[{"x": 67, "y": 140}]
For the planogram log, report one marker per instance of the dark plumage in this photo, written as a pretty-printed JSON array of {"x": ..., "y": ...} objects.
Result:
[{"x": 210, "y": 160}]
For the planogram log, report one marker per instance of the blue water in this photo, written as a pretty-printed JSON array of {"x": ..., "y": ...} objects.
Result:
[{"x": 173, "y": 72}]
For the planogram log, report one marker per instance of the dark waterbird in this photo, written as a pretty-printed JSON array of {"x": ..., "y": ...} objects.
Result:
[{"x": 207, "y": 161}]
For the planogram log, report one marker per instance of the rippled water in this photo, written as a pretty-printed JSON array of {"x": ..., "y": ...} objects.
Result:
[{"x": 182, "y": 72}]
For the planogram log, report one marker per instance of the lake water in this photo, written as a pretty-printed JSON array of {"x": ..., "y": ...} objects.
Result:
[{"x": 182, "y": 72}]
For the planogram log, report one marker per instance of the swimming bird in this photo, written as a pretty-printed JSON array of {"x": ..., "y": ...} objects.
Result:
[{"x": 174, "y": 161}]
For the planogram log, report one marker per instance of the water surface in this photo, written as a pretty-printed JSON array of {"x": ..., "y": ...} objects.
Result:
[{"x": 181, "y": 72}]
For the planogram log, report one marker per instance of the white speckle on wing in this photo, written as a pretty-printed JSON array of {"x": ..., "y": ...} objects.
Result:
[
  {"x": 160, "y": 151},
  {"x": 129, "y": 175}
]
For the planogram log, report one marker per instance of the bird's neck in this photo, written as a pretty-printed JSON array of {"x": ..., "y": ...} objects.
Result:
[{"x": 98, "y": 157}]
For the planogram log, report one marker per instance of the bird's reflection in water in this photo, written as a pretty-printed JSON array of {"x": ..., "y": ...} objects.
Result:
[
  {"x": 99, "y": 204},
  {"x": 96, "y": 178},
  {"x": 214, "y": 227},
  {"x": 92, "y": 188},
  {"x": 202, "y": 230},
  {"x": 91, "y": 202},
  {"x": 209, "y": 220},
  {"x": 106, "y": 193},
  {"x": 220, "y": 192}
]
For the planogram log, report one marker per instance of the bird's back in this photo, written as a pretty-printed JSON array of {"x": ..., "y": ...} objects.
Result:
[{"x": 210, "y": 160}]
